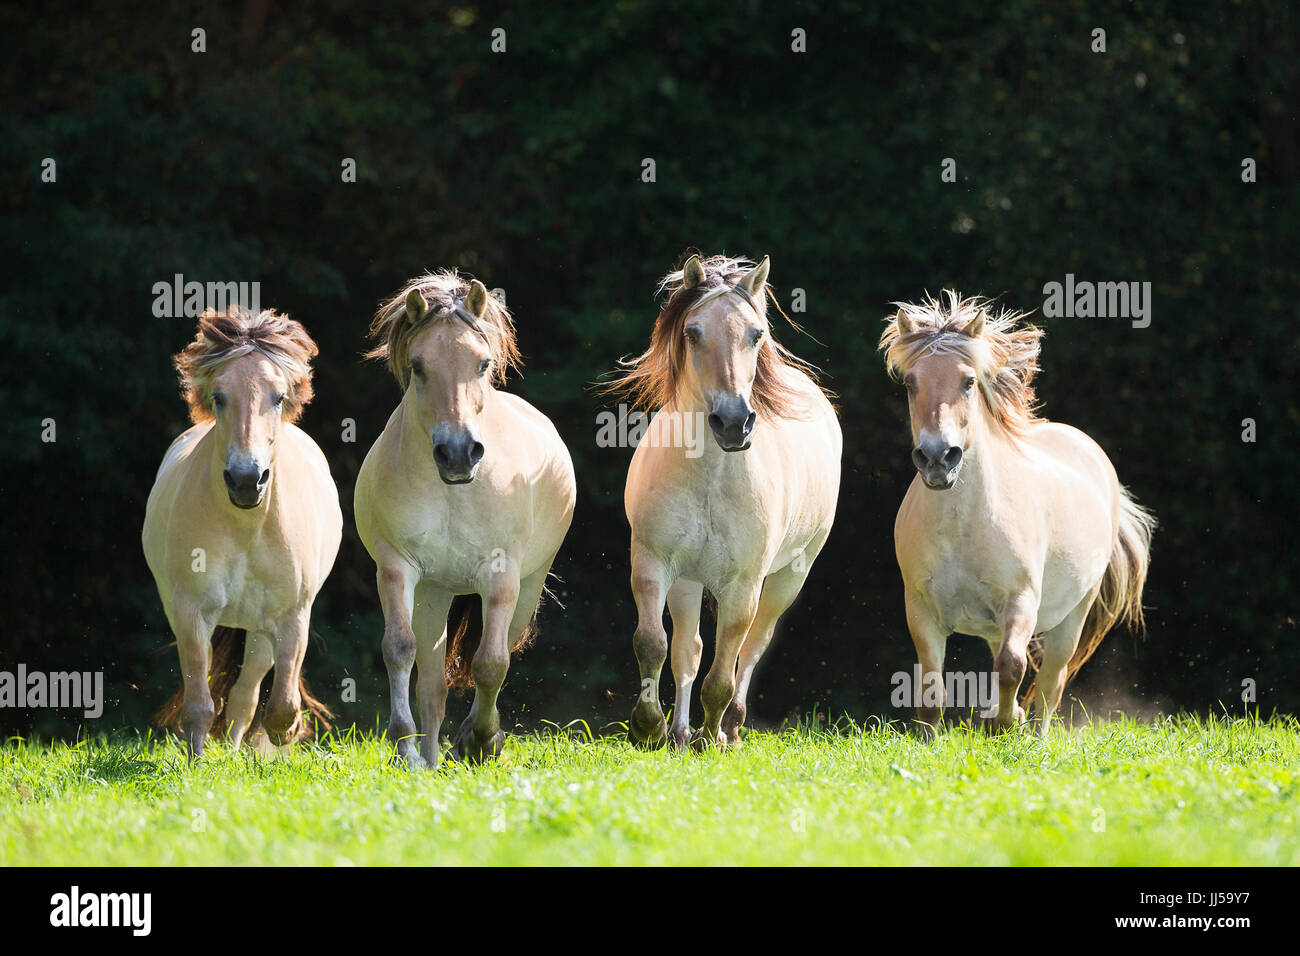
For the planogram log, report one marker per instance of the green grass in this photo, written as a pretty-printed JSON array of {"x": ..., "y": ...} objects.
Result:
[{"x": 1174, "y": 791}]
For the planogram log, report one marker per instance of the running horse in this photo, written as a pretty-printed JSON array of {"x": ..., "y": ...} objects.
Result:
[
  {"x": 1014, "y": 526},
  {"x": 241, "y": 529},
  {"x": 462, "y": 502},
  {"x": 744, "y": 515}
]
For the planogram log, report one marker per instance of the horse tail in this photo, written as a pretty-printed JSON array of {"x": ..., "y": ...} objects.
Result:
[
  {"x": 1119, "y": 598},
  {"x": 223, "y": 670},
  {"x": 465, "y": 630}
]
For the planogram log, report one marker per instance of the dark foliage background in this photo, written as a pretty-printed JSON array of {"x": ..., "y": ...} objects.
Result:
[{"x": 524, "y": 169}]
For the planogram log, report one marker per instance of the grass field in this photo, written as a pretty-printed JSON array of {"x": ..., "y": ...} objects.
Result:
[{"x": 1174, "y": 791}]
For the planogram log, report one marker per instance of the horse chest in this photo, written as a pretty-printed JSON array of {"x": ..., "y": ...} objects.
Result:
[{"x": 251, "y": 589}]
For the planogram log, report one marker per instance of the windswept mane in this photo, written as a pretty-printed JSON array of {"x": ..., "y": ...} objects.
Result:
[
  {"x": 1005, "y": 358},
  {"x": 225, "y": 336},
  {"x": 445, "y": 292},
  {"x": 651, "y": 379}
]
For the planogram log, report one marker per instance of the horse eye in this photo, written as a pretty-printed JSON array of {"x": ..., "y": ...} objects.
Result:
[
  {"x": 279, "y": 400},
  {"x": 693, "y": 337},
  {"x": 218, "y": 400},
  {"x": 484, "y": 365},
  {"x": 968, "y": 383},
  {"x": 417, "y": 369},
  {"x": 756, "y": 337}
]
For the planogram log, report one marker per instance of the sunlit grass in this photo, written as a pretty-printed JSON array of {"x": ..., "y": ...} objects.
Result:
[{"x": 1174, "y": 791}]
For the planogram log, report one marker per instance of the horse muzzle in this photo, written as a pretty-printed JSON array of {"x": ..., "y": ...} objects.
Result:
[
  {"x": 457, "y": 457},
  {"x": 732, "y": 419},
  {"x": 938, "y": 466},
  {"x": 246, "y": 485}
]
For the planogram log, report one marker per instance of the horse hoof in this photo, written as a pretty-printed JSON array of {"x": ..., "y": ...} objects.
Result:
[
  {"x": 469, "y": 749},
  {"x": 732, "y": 720},
  {"x": 408, "y": 761},
  {"x": 702, "y": 740},
  {"x": 648, "y": 734},
  {"x": 679, "y": 739}
]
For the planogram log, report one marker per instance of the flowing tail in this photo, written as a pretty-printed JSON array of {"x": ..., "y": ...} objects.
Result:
[
  {"x": 223, "y": 671},
  {"x": 1119, "y": 600}
]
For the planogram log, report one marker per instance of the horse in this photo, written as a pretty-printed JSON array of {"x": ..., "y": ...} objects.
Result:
[
  {"x": 241, "y": 529},
  {"x": 469, "y": 491},
  {"x": 1013, "y": 526},
  {"x": 744, "y": 515}
]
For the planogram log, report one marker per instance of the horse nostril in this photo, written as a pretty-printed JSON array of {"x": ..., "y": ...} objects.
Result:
[
  {"x": 715, "y": 421},
  {"x": 475, "y": 453},
  {"x": 951, "y": 458},
  {"x": 749, "y": 422},
  {"x": 441, "y": 455},
  {"x": 266, "y": 476},
  {"x": 919, "y": 459},
  {"x": 230, "y": 480}
]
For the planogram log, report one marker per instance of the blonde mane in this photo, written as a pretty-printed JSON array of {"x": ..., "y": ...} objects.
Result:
[
  {"x": 1005, "y": 358},
  {"x": 445, "y": 292},
  {"x": 651, "y": 379},
  {"x": 225, "y": 336}
]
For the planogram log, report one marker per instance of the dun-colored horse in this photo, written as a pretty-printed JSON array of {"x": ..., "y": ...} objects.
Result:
[
  {"x": 745, "y": 518},
  {"x": 242, "y": 527},
  {"x": 1014, "y": 526},
  {"x": 468, "y": 491}
]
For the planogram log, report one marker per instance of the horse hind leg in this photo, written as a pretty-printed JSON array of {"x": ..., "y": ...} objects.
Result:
[
  {"x": 1059, "y": 645},
  {"x": 684, "y": 599},
  {"x": 737, "y": 608},
  {"x": 241, "y": 706},
  {"x": 480, "y": 736},
  {"x": 779, "y": 591},
  {"x": 429, "y": 624},
  {"x": 284, "y": 721}
]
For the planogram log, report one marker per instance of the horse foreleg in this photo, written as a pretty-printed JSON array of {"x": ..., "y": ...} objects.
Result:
[
  {"x": 684, "y": 607},
  {"x": 283, "y": 719},
  {"x": 736, "y": 611},
  {"x": 396, "y": 580},
  {"x": 194, "y": 645},
  {"x": 1018, "y": 623},
  {"x": 241, "y": 707},
  {"x": 650, "y": 585},
  {"x": 931, "y": 642}
]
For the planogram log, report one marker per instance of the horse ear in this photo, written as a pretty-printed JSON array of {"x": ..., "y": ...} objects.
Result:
[
  {"x": 975, "y": 327},
  {"x": 757, "y": 278},
  {"x": 416, "y": 307},
  {"x": 692, "y": 273},
  {"x": 477, "y": 298},
  {"x": 905, "y": 324}
]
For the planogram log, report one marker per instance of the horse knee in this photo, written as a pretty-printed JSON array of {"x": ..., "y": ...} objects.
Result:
[
  {"x": 489, "y": 672},
  {"x": 651, "y": 645},
  {"x": 716, "y": 693},
  {"x": 1010, "y": 665},
  {"x": 399, "y": 648}
]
